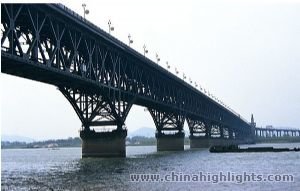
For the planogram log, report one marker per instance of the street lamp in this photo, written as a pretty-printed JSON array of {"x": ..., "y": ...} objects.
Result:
[
  {"x": 110, "y": 28},
  {"x": 176, "y": 70},
  {"x": 85, "y": 11},
  {"x": 157, "y": 58},
  {"x": 145, "y": 50},
  {"x": 168, "y": 66},
  {"x": 130, "y": 41}
]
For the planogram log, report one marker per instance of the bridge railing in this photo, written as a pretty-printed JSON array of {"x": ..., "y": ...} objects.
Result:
[{"x": 277, "y": 129}]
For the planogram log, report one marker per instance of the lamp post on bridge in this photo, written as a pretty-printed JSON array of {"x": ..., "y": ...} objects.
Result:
[
  {"x": 130, "y": 41},
  {"x": 183, "y": 76},
  {"x": 168, "y": 65},
  {"x": 176, "y": 70},
  {"x": 157, "y": 58},
  {"x": 200, "y": 88},
  {"x": 145, "y": 50},
  {"x": 110, "y": 28},
  {"x": 85, "y": 11}
]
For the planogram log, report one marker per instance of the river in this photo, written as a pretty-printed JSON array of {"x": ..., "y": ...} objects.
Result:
[{"x": 64, "y": 169}]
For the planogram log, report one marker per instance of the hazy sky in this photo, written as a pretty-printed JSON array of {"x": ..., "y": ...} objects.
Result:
[{"x": 247, "y": 53}]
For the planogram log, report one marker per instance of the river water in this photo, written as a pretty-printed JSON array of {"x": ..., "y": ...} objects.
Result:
[{"x": 63, "y": 169}]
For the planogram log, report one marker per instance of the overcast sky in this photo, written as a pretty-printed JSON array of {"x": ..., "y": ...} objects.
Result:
[{"x": 247, "y": 53}]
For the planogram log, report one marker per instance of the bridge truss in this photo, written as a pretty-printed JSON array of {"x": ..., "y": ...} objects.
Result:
[{"x": 102, "y": 77}]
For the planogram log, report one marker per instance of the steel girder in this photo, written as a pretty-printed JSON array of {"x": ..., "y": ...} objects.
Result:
[
  {"x": 98, "y": 109},
  {"x": 263, "y": 132},
  {"x": 167, "y": 121},
  {"x": 52, "y": 44},
  {"x": 199, "y": 127},
  {"x": 204, "y": 128}
]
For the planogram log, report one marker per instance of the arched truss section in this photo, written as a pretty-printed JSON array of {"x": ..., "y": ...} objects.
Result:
[
  {"x": 167, "y": 122},
  {"x": 97, "y": 109},
  {"x": 198, "y": 127},
  {"x": 216, "y": 131}
]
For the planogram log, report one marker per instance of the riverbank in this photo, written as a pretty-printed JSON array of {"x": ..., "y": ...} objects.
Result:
[{"x": 76, "y": 142}]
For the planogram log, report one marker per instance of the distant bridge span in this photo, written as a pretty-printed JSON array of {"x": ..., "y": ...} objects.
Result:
[
  {"x": 276, "y": 133},
  {"x": 102, "y": 78}
]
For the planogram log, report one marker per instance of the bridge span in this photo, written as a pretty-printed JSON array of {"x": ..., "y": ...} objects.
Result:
[
  {"x": 274, "y": 132},
  {"x": 102, "y": 78}
]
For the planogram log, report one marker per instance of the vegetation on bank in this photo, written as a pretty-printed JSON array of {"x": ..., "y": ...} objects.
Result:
[
  {"x": 70, "y": 142},
  {"x": 76, "y": 142},
  {"x": 130, "y": 141}
]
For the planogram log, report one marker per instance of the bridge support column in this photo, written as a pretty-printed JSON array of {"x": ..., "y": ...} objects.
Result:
[
  {"x": 105, "y": 110},
  {"x": 199, "y": 133},
  {"x": 103, "y": 144},
  {"x": 222, "y": 142},
  {"x": 170, "y": 134},
  {"x": 199, "y": 142},
  {"x": 170, "y": 142}
]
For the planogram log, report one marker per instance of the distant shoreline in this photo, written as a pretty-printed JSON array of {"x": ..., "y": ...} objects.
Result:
[
  {"x": 72, "y": 142},
  {"x": 130, "y": 141}
]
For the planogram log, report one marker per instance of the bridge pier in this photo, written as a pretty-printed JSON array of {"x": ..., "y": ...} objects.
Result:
[
  {"x": 199, "y": 133},
  {"x": 103, "y": 144},
  {"x": 170, "y": 142},
  {"x": 95, "y": 110},
  {"x": 170, "y": 134},
  {"x": 222, "y": 142},
  {"x": 199, "y": 142}
]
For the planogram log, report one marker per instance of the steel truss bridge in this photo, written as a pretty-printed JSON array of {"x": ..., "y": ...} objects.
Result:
[
  {"x": 102, "y": 77},
  {"x": 272, "y": 132}
]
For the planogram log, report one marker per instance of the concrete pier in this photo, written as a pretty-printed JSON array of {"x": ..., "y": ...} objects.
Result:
[
  {"x": 199, "y": 142},
  {"x": 170, "y": 142},
  {"x": 222, "y": 142},
  {"x": 204, "y": 142},
  {"x": 103, "y": 144}
]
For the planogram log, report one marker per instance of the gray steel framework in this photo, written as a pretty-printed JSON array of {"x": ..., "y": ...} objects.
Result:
[
  {"x": 272, "y": 132},
  {"x": 102, "y": 77}
]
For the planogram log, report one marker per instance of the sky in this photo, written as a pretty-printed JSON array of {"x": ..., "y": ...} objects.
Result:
[{"x": 246, "y": 53}]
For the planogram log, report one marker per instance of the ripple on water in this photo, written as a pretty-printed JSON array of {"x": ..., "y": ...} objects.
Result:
[{"x": 64, "y": 169}]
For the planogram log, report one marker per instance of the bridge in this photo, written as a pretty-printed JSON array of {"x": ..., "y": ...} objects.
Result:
[
  {"x": 103, "y": 78},
  {"x": 272, "y": 132}
]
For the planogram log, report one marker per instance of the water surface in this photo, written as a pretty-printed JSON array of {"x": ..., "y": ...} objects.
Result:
[{"x": 63, "y": 169}]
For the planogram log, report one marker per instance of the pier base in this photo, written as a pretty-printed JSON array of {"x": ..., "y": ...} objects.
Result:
[
  {"x": 222, "y": 142},
  {"x": 103, "y": 144},
  {"x": 249, "y": 141},
  {"x": 199, "y": 142},
  {"x": 172, "y": 142}
]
